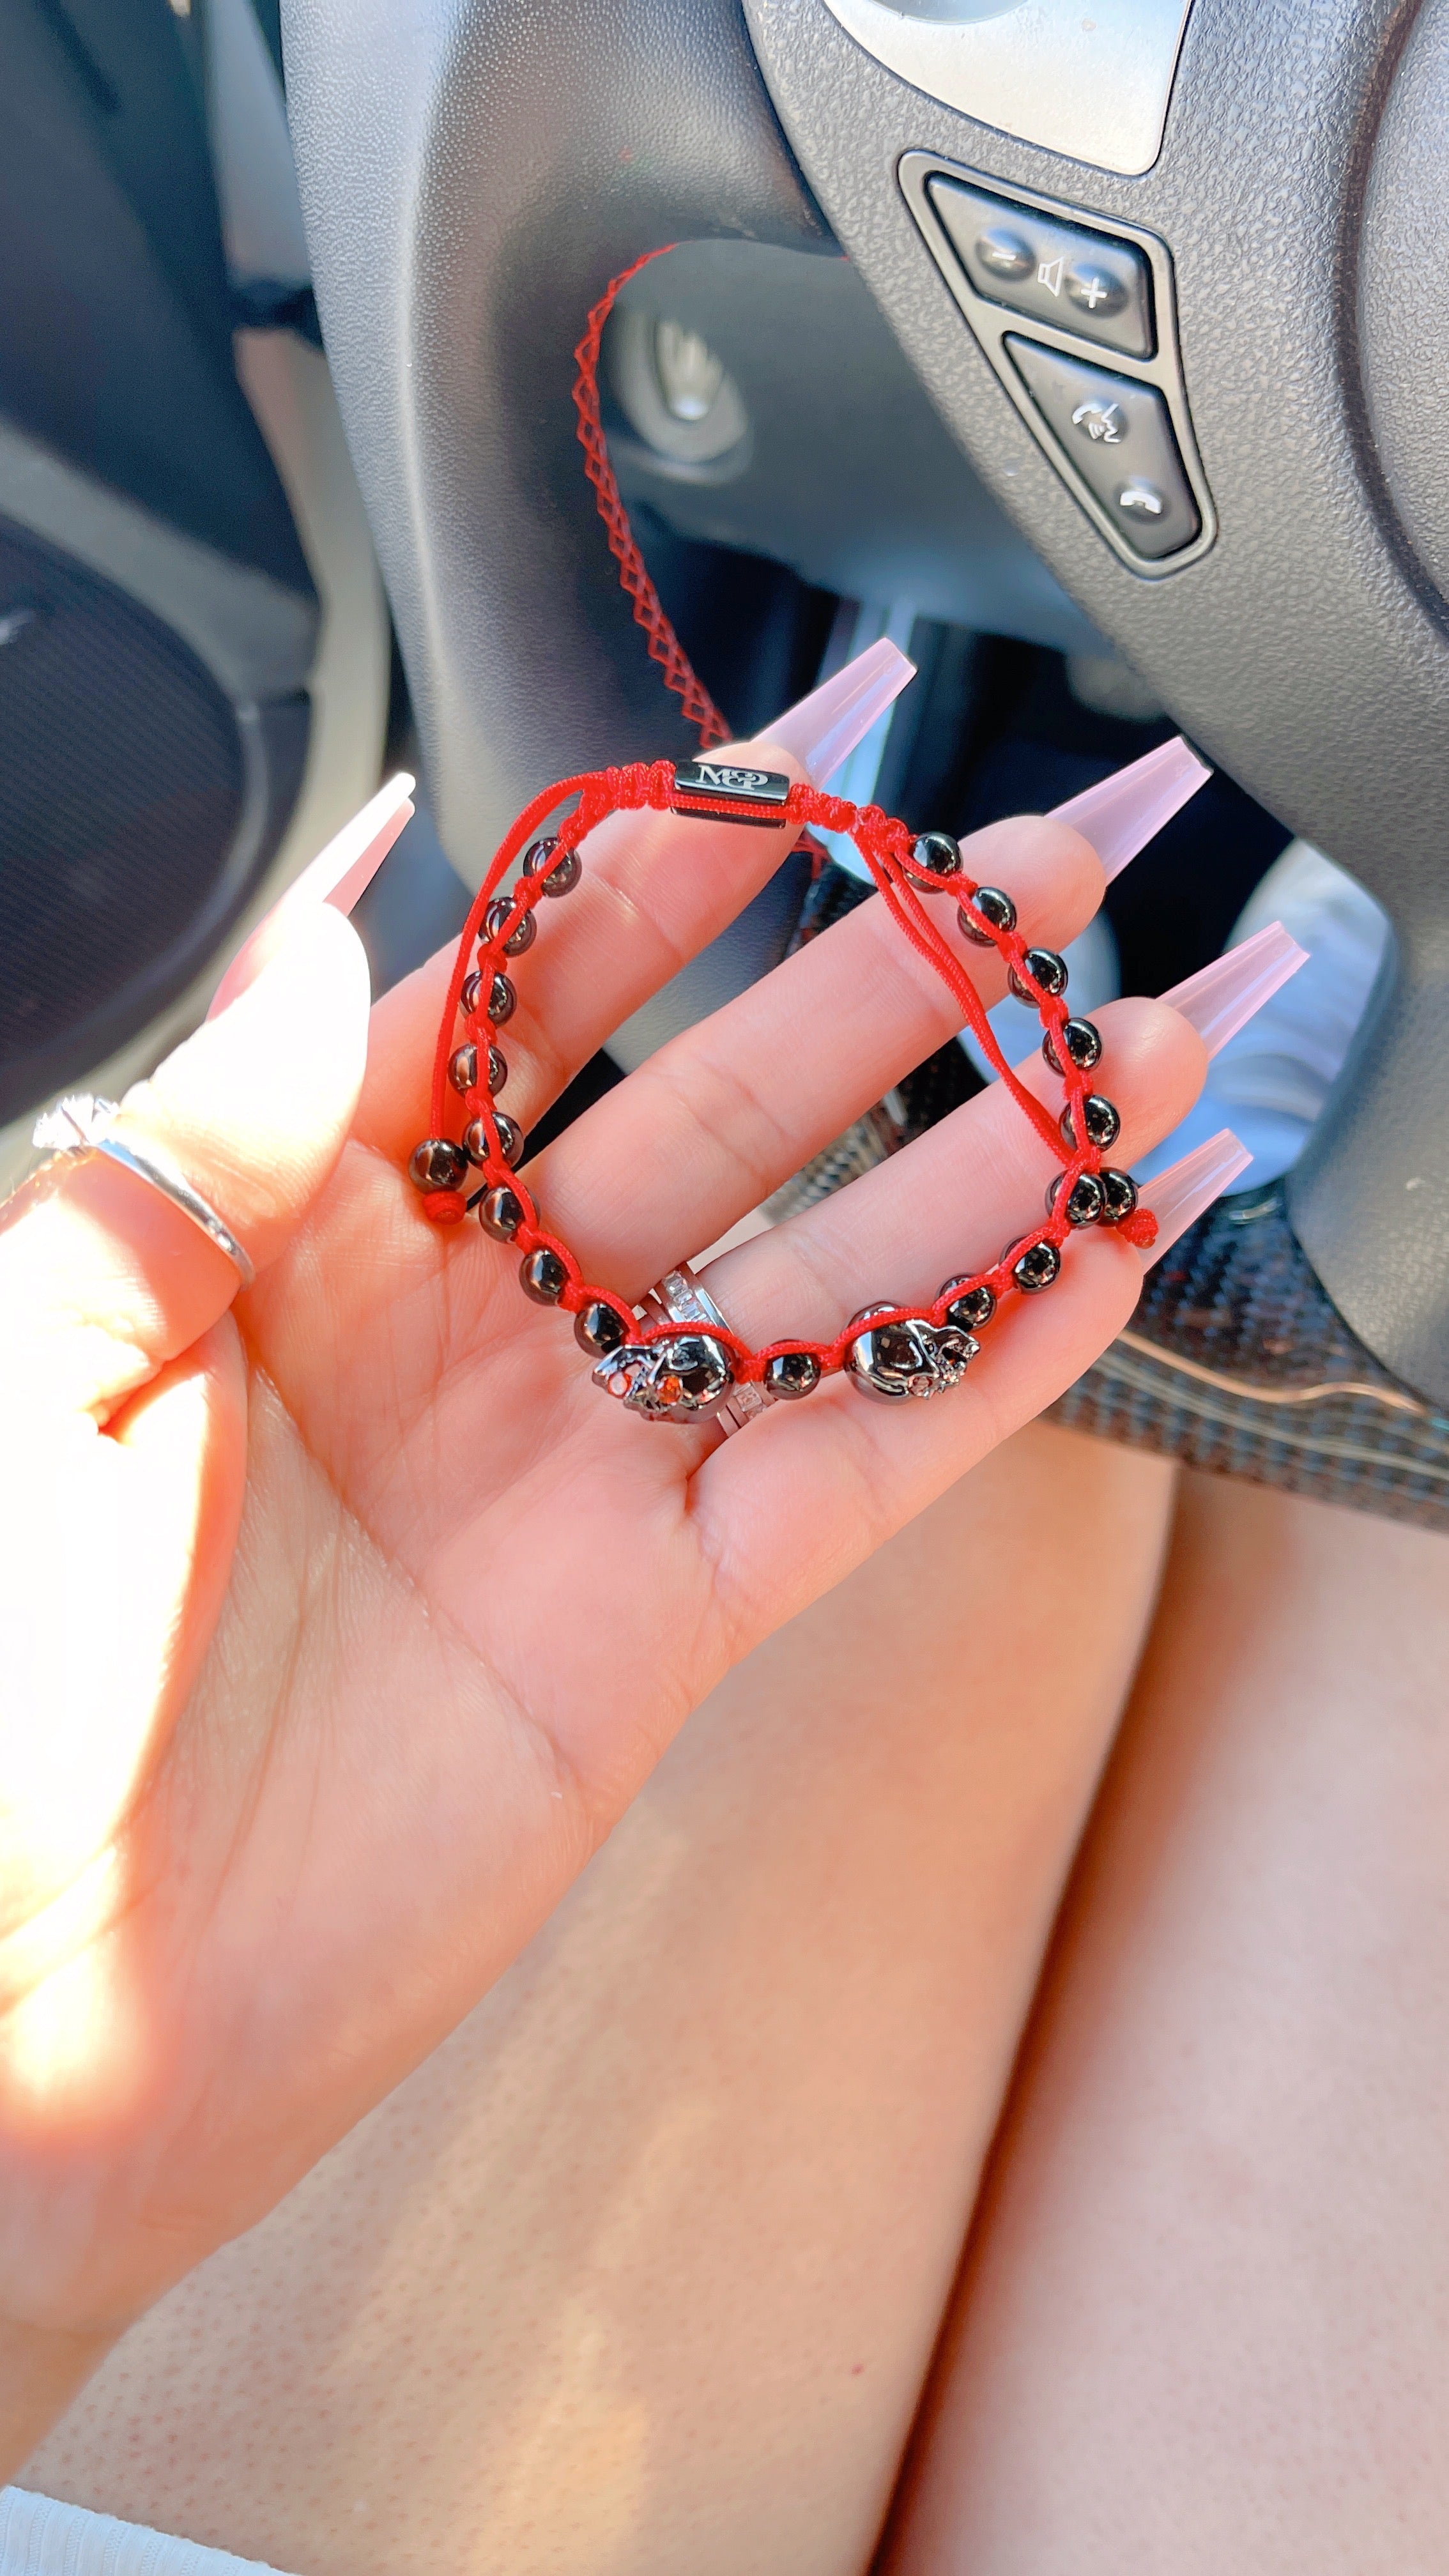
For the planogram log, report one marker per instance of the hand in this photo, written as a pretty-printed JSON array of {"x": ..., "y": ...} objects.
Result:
[{"x": 344, "y": 1620}]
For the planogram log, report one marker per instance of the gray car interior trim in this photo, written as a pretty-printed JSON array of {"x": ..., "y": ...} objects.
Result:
[
  {"x": 1307, "y": 652},
  {"x": 1092, "y": 83},
  {"x": 257, "y": 638}
]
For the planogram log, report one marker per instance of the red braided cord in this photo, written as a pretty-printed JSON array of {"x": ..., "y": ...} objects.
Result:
[
  {"x": 886, "y": 847},
  {"x": 664, "y": 645}
]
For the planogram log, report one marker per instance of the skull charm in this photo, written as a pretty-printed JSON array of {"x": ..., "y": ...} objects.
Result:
[
  {"x": 901, "y": 1360},
  {"x": 683, "y": 1378}
]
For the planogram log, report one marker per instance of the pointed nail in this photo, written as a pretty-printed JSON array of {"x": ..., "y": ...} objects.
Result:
[
  {"x": 339, "y": 875},
  {"x": 1121, "y": 814},
  {"x": 1178, "y": 1196},
  {"x": 823, "y": 729},
  {"x": 1222, "y": 998}
]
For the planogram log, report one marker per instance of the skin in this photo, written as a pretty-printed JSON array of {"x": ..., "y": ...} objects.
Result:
[
  {"x": 1205, "y": 2318},
  {"x": 323, "y": 1755}
]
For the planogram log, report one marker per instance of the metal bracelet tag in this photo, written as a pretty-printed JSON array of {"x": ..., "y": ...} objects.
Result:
[{"x": 754, "y": 796}]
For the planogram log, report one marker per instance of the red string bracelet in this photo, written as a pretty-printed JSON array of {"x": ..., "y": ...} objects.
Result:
[
  {"x": 888, "y": 1349},
  {"x": 659, "y": 1370}
]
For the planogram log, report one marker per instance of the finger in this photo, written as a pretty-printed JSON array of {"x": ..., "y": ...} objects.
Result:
[
  {"x": 952, "y": 1199},
  {"x": 833, "y": 1476},
  {"x": 656, "y": 889},
  {"x": 734, "y": 1106},
  {"x": 102, "y": 1278},
  {"x": 339, "y": 875}
]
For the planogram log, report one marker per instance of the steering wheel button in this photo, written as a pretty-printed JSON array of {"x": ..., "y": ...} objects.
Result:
[
  {"x": 1104, "y": 423},
  {"x": 1094, "y": 285},
  {"x": 1005, "y": 254},
  {"x": 1142, "y": 501},
  {"x": 1095, "y": 288},
  {"x": 1116, "y": 434}
]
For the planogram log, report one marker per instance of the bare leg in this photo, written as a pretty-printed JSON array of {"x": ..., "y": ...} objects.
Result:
[
  {"x": 1205, "y": 2325},
  {"x": 644, "y": 2269}
]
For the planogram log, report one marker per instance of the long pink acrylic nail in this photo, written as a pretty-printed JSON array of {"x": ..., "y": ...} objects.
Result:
[
  {"x": 823, "y": 729},
  {"x": 1179, "y": 1195},
  {"x": 339, "y": 875},
  {"x": 1121, "y": 814},
  {"x": 1222, "y": 997}
]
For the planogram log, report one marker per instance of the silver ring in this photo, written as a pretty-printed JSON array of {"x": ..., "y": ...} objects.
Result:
[
  {"x": 680, "y": 1296},
  {"x": 82, "y": 1125}
]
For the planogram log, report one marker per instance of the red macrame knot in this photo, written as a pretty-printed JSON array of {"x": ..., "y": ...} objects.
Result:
[
  {"x": 1139, "y": 1228},
  {"x": 445, "y": 1207}
]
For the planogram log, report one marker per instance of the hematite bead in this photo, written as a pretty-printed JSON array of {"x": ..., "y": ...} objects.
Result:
[
  {"x": 936, "y": 854},
  {"x": 1087, "y": 1201},
  {"x": 1103, "y": 1121},
  {"x": 790, "y": 1374},
  {"x": 1120, "y": 1192},
  {"x": 1046, "y": 968},
  {"x": 599, "y": 1329},
  {"x": 1083, "y": 1042},
  {"x": 993, "y": 906},
  {"x": 500, "y": 1213},
  {"x": 471, "y": 994},
  {"x": 463, "y": 1069},
  {"x": 502, "y": 999},
  {"x": 510, "y": 1138},
  {"x": 437, "y": 1164},
  {"x": 543, "y": 1275},
  {"x": 560, "y": 876},
  {"x": 497, "y": 1071},
  {"x": 970, "y": 1307},
  {"x": 1036, "y": 1268},
  {"x": 523, "y": 934}
]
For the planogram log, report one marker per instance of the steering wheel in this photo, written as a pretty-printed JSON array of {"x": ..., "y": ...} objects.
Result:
[{"x": 1260, "y": 184}]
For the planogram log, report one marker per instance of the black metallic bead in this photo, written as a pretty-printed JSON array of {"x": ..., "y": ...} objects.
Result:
[
  {"x": 497, "y": 1071},
  {"x": 599, "y": 1329},
  {"x": 935, "y": 854},
  {"x": 437, "y": 1164},
  {"x": 1083, "y": 1042},
  {"x": 1120, "y": 1193},
  {"x": 560, "y": 876},
  {"x": 790, "y": 1374},
  {"x": 1036, "y": 1268},
  {"x": 993, "y": 906},
  {"x": 510, "y": 1139},
  {"x": 1045, "y": 968},
  {"x": 1103, "y": 1120},
  {"x": 1087, "y": 1202},
  {"x": 523, "y": 934},
  {"x": 543, "y": 1275},
  {"x": 502, "y": 999},
  {"x": 471, "y": 995},
  {"x": 970, "y": 1307},
  {"x": 463, "y": 1069},
  {"x": 500, "y": 1213}
]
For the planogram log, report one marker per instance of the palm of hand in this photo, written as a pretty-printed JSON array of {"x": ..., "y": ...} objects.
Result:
[{"x": 259, "y": 1872}]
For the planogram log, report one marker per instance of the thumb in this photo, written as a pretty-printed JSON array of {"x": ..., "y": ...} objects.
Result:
[{"x": 103, "y": 1280}]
